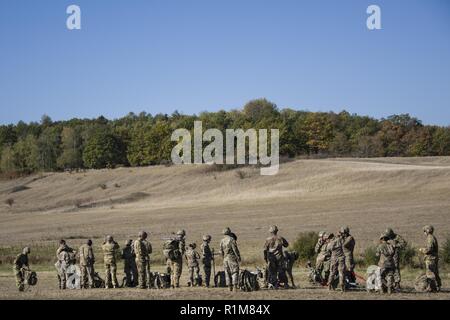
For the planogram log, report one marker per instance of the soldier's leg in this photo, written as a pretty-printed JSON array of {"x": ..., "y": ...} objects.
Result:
[
  {"x": 228, "y": 274},
  {"x": 207, "y": 271},
  {"x": 389, "y": 280},
  {"x": 107, "y": 275},
  {"x": 319, "y": 264},
  {"x": 191, "y": 276},
  {"x": 115, "y": 283},
  {"x": 341, "y": 271},
  {"x": 134, "y": 273},
  {"x": 333, "y": 272},
  {"x": 83, "y": 280},
  {"x": 272, "y": 272},
  {"x": 90, "y": 272},
  {"x": 197, "y": 275},
  {"x": 235, "y": 274},
  {"x": 141, "y": 274},
  {"x": 178, "y": 267},
  {"x": 127, "y": 272},
  {"x": 281, "y": 273},
  {"x": 19, "y": 279},
  {"x": 148, "y": 275}
]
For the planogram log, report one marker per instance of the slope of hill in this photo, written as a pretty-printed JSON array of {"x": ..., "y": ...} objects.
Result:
[{"x": 366, "y": 194}]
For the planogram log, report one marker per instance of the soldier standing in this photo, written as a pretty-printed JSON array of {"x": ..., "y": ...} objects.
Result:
[
  {"x": 399, "y": 244},
  {"x": 21, "y": 265},
  {"x": 174, "y": 254},
  {"x": 323, "y": 256},
  {"x": 87, "y": 261},
  {"x": 129, "y": 264},
  {"x": 274, "y": 258},
  {"x": 431, "y": 252},
  {"x": 63, "y": 262},
  {"x": 110, "y": 249},
  {"x": 231, "y": 259},
  {"x": 192, "y": 258},
  {"x": 386, "y": 251},
  {"x": 142, "y": 259},
  {"x": 207, "y": 257},
  {"x": 349, "y": 246},
  {"x": 337, "y": 261}
]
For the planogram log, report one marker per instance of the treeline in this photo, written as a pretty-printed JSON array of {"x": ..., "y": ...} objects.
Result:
[{"x": 144, "y": 139}]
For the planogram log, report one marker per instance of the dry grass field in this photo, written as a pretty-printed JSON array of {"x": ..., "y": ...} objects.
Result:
[{"x": 307, "y": 195}]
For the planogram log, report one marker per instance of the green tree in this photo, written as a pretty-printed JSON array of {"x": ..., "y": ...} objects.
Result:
[
  {"x": 103, "y": 150},
  {"x": 71, "y": 156}
]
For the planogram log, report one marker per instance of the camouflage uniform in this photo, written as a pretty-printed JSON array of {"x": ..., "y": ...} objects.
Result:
[
  {"x": 142, "y": 250},
  {"x": 20, "y": 264},
  {"x": 175, "y": 266},
  {"x": 63, "y": 261},
  {"x": 399, "y": 243},
  {"x": 231, "y": 259},
  {"x": 386, "y": 251},
  {"x": 192, "y": 258},
  {"x": 87, "y": 261},
  {"x": 323, "y": 256},
  {"x": 337, "y": 262},
  {"x": 431, "y": 259},
  {"x": 129, "y": 264},
  {"x": 207, "y": 257},
  {"x": 274, "y": 258},
  {"x": 289, "y": 259},
  {"x": 348, "y": 246},
  {"x": 110, "y": 249}
]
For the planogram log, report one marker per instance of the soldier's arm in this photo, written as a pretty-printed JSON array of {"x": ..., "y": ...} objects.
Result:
[
  {"x": 401, "y": 242},
  {"x": 236, "y": 250},
  {"x": 285, "y": 243},
  {"x": 150, "y": 248},
  {"x": 318, "y": 246},
  {"x": 428, "y": 246}
]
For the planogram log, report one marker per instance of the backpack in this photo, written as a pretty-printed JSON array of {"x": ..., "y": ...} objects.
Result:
[
  {"x": 97, "y": 281},
  {"x": 171, "y": 249},
  {"x": 248, "y": 281},
  {"x": 425, "y": 284},
  {"x": 220, "y": 280}
]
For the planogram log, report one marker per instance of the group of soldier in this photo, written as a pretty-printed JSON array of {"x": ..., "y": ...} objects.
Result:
[
  {"x": 335, "y": 259},
  {"x": 335, "y": 262}
]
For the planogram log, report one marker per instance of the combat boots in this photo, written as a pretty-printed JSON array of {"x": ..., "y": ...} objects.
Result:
[{"x": 230, "y": 287}]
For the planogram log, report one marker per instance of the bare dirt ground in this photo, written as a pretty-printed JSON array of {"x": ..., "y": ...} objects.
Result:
[{"x": 307, "y": 195}]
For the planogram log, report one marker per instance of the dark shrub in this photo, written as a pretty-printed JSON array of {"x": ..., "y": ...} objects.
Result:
[{"x": 304, "y": 245}]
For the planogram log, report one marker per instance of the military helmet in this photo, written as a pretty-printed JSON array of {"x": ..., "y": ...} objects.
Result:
[
  {"x": 325, "y": 235},
  {"x": 181, "y": 233},
  {"x": 273, "y": 229},
  {"x": 62, "y": 241},
  {"x": 384, "y": 236},
  {"x": 389, "y": 232},
  {"x": 89, "y": 242},
  {"x": 428, "y": 229},
  {"x": 26, "y": 250},
  {"x": 128, "y": 242},
  {"x": 321, "y": 233},
  {"x": 206, "y": 237},
  {"x": 226, "y": 231},
  {"x": 344, "y": 230},
  {"x": 109, "y": 238},
  {"x": 142, "y": 234},
  {"x": 193, "y": 245}
]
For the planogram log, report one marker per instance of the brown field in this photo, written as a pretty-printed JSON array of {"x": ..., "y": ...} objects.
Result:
[{"x": 307, "y": 195}]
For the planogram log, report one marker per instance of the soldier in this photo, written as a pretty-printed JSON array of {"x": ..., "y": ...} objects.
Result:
[
  {"x": 63, "y": 262},
  {"x": 192, "y": 258},
  {"x": 349, "y": 246},
  {"x": 231, "y": 259},
  {"x": 21, "y": 265},
  {"x": 399, "y": 244},
  {"x": 207, "y": 257},
  {"x": 110, "y": 249},
  {"x": 129, "y": 264},
  {"x": 386, "y": 251},
  {"x": 337, "y": 261},
  {"x": 87, "y": 261},
  {"x": 142, "y": 259},
  {"x": 289, "y": 259},
  {"x": 431, "y": 252},
  {"x": 323, "y": 256},
  {"x": 274, "y": 258},
  {"x": 174, "y": 253}
]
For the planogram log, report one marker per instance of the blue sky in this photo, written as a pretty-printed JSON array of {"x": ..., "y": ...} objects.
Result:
[{"x": 204, "y": 55}]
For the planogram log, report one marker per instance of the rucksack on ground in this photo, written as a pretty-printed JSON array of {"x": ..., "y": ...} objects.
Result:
[
  {"x": 220, "y": 280},
  {"x": 248, "y": 281}
]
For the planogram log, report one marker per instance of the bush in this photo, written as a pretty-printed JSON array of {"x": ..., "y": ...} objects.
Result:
[
  {"x": 370, "y": 256},
  {"x": 445, "y": 251},
  {"x": 304, "y": 245},
  {"x": 407, "y": 256}
]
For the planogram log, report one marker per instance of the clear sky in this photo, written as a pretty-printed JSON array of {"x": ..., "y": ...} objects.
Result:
[{"x": 204, "y": 55}]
